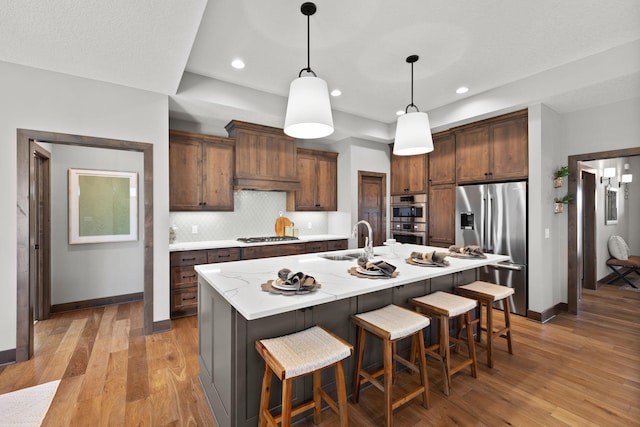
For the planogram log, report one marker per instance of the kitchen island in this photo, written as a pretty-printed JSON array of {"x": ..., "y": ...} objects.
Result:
[{"x": 234, "y": 312}]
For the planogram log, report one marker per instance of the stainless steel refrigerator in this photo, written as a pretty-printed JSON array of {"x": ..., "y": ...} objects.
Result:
[{"x": 494, "y": 216}]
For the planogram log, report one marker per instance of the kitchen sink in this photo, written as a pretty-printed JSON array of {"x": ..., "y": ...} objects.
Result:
[
  {"x": 336, "y": 257},
  {"x": 352, "y": 256}
]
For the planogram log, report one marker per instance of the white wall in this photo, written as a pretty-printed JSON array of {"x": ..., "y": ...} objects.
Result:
[
  {"x": 89, "y": 271},
  {"x": 40, "y": 100},
  {"x": 610, "y": 127}
]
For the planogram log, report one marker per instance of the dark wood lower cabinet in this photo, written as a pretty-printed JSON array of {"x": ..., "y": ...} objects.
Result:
[
  {"x": 184, "y": 279},
  {"x": 231, "y": 370}
]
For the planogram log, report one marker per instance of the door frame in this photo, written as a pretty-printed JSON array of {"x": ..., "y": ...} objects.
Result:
[
  {"x": 24, "y": 309},
  {"x": 573, "y": 261},
  {"x": 41, "y": 290}
]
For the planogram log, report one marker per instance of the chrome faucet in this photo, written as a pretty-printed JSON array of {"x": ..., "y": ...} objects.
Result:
[{"x": 368, "y": 241}]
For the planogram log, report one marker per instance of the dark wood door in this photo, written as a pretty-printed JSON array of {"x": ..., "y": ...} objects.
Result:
[
  {"x": 40, "y": 271},
  {"x": 509, "y": 152},
  {"x": 184, "y": 174},
  {"x": 372, "y": 206},
  {"x": 327, "y": 181},
  {"x": 472, "y": 155},
  {"x": 217, "y": 180},
  {"x": 442, "y": 206},
  {"x": 589, "y": 275},
  {"x": 442, "y": 161},
  {"x": 408, "y": 174}
]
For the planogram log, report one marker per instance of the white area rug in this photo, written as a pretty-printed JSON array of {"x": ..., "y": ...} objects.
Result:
[{"x": 27, "y": 407}]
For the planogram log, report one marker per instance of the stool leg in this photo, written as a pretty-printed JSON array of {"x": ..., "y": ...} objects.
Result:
[
  {"x": 264, "y": 396},
  {"x": 317, "y": 397},
  {"x": 388, "y": 383},
  {"x": 287, "y": 386},
  {"x": 489, "y": 335},
  {"x": 341, "y": 390},
  {"x": 472, "y": 347},
  {"x": 418, "y": 342},
  {"x": 445, "y": 352},
  {"x": 507, "y": 322},
  {"x": 356, "y": 381}
]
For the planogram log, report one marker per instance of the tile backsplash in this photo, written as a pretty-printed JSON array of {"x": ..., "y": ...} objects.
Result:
[{"x": 255, "y": 214}]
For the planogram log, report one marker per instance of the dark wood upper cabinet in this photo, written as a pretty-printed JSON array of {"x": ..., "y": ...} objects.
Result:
[
  {"x": 408, "y": 174},
  {"x": 200, "y": 172},
  {"x": 265, "y": 157},
  {"x": 318, "y": 174},
  {"x": 493, "y": 150},
  {"x": 442, "y": 160},
  {"x": 442, "y": 210}
]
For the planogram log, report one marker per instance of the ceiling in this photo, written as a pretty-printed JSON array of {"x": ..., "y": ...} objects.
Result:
[{"x": 570, "y": 54}]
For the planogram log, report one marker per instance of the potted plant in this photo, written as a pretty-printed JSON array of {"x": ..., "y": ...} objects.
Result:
[
  {"x": 559, "y": 174},
  {"x": 558, "y": 206}
]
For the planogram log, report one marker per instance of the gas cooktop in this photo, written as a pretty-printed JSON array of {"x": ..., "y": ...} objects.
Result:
[{"x": 266, "y": 239}]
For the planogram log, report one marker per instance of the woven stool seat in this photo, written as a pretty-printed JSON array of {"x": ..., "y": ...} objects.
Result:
[
  {"x": 398, "y": 322},
  {"x": 303, "y": 353},
  {"x": 444, "y": 306},
  {"x": 391, "y": 324},
  {"x": 486, "y": 290},
  {"x": 486, "y": 294},
  {"x": 306, "y": 351},
  {"x": 445, "y": 303}
]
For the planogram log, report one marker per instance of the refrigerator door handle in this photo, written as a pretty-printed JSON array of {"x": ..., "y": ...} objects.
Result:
[
  {"x": 489, "y": 238},
  {"x": 514, "y": 267},
  {"x": 483, "y": 242}
]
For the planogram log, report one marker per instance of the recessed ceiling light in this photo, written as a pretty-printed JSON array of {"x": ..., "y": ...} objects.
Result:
[
  {"x": 400, "y": 112},
  {"x": 336, "y": 92},
  {"x": 462, "y": 89},
  {"x": 237, "y": 64}
]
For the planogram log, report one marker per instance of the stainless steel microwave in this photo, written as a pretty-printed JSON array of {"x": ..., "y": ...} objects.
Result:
[{"x": 411, "y": 208}]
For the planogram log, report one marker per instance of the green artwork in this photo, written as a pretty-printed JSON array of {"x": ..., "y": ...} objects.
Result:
[{"x": 103, "y": 206}]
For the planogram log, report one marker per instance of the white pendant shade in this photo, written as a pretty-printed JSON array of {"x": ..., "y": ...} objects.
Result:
[
  {"x": 413, "y": 135},
  {"x": 309, "y": 109}
]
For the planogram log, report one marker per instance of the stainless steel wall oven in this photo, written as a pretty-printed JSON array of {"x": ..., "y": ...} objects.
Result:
[{"x": 409, "y": 218}]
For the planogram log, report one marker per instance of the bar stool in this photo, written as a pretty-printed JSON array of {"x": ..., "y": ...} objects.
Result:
[
  {"x": 295, "y": 355},
  {"x": 391, "y": 324},
  {"x": 445, "y": 306},
  {"x": 486, "y": 294}
]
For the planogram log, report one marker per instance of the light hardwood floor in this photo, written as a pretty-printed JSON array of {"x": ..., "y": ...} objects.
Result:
[{"x": 572, "y": 371}]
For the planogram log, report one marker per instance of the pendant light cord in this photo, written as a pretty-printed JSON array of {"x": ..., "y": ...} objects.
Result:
[
  {"x": 308, "y": 9},
  {"x": 411, "y": 59}
]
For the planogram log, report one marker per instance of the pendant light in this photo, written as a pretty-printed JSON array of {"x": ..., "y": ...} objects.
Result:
[
  {"x": 308, "y": 109},
  {"x": 413, "y": 132}
]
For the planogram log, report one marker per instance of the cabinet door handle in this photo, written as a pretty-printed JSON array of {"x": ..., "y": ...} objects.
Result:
[
  {"x": 188, "y": 299},
  {"x": 188, "y": 259},
  {"x": 224, "y": 256}
]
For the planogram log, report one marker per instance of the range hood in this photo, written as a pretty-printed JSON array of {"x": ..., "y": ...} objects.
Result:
[
  {"x": 265, "y": 158},
  {"x": 264, "y": 184}
]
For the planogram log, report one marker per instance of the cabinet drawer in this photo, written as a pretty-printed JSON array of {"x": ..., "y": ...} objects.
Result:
[
  {"x": 188, "y": 258},
  {"x": 315, "y": 247},
  {"x": 337, "y": 245},
  {"x": 184, "y": 299},
  {"x": 183, "y": 277},
  {"x": 254, "y": 252},
  {"x": 223, "y": 255}
]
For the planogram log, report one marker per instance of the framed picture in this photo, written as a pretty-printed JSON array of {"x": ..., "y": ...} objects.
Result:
[{"x": 103, "y": 206}]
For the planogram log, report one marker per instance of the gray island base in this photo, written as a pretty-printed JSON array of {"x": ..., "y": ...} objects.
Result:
[{"x": 234, "y": 312}]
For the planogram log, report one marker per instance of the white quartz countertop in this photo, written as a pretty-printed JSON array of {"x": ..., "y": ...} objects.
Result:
[
  {"x": 214, "y": 244},
  {"x": 239, "y": 282}
]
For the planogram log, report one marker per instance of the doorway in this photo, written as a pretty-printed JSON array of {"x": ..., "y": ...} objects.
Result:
[
  {"x": 372, "y": 206},
  {"x": 26, "y": 216},
  {"x": 575, "y": 256}
]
